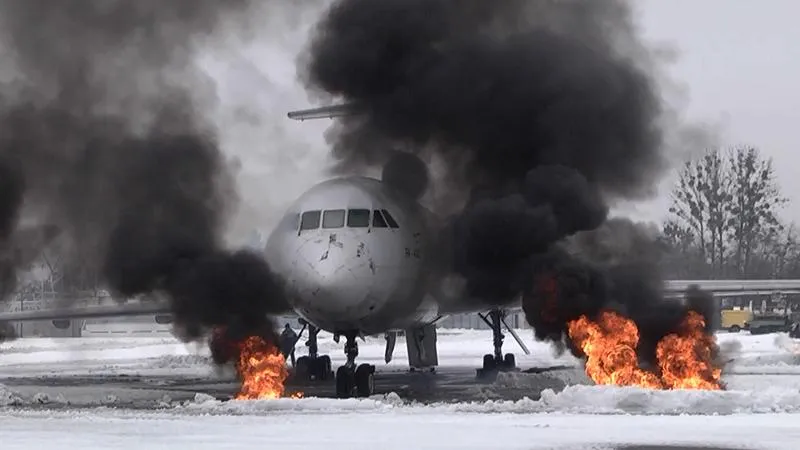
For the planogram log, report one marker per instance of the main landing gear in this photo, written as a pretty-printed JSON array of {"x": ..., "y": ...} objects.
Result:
[
  {"x": 352, "y": 380},
  {"x": 314, "y": 367},
  {"x": 497, "y": 362}
]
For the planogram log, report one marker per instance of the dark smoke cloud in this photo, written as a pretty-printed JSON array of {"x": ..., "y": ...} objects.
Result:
[
  {"x": 615, "y": 266},
  {"x": 104, "y": 136},
  {"x": 541, "y": 113},
  {"x": 406, "y": 173},
  {"x": 440, "y": 72},
  {"x": 11, "y": 190}
]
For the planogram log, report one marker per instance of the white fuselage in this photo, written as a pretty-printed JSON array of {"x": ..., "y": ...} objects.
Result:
[{"x": 355, "y": 257}]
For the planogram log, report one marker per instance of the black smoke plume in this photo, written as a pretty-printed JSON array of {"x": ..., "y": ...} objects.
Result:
[
  {"x": 542, "y": 113},
  {"x": 406, "y": 173},
  {"x": 103, "y": 135}
]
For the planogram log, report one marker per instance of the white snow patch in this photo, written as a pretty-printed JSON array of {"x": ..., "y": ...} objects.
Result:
[
  {"x": 784, "y": 342},
  {"x": 783, "y": 358},
  {"x": 206, "y": 404},
  {"x": 9, "y": 397},
  {"x": 201, "y": 398},
  {"x": 177, "y": 361},
  {"x": 397, "y": 429}
]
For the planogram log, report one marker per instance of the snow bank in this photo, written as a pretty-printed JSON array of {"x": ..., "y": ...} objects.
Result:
[
  {"x": 205, "y": 404},
  {"x": 8, "y": 397},
  {"x": 628, "y": 400},
  {"x": 572, "y": 400}
]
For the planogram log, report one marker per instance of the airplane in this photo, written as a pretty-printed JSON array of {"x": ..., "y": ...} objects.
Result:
[{"x": 359, "y": 259}]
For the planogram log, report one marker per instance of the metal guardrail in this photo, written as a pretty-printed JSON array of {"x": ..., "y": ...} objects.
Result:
[{"x": 755, "y": 286}]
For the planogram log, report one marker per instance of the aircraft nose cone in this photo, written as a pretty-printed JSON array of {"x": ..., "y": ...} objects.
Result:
[{"x": 333, "y": 284}]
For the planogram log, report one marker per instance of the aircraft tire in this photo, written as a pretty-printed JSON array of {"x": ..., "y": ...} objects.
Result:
[
  {"x": 345, "y": 382},
  {"x": 324, "y": 367},
  {"x": 302, "y": 368},
  {"x": 510, "y": 362},
  {"x": 489, "y": 363},
  {"x": 365, "y": 380}
]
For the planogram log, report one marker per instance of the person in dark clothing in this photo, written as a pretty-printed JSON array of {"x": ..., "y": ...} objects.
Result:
[{"x": 288, "y": 339}]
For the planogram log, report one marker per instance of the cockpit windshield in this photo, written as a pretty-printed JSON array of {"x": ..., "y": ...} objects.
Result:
[
  {"x": 353, "y": 218},
  {"x": 389, "y": 219},
  {"x": 358, "y": 218},
  {"x": 378, "y": 221},
  {"x": 333, "y": 218},
  {"x": 382, "y": 219},
  {"x": 310, "y": 220}
]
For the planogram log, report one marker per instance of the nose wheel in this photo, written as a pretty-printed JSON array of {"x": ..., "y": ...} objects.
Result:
[
  {"x": 314, "y": 367},
  {"x": 352, "y": 380}
]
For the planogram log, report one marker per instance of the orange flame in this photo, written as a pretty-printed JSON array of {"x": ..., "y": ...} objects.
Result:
[
  {"x": 684, "y": 358},
  {"x": 262, "y": 368}
]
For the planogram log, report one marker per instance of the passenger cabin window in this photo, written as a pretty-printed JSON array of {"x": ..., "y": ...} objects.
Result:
[
  {"x": 358, "y": 218},
  {"x": 333, "y": 218},
  {"x": 309, "y": 220},
  {"x": 389, "y": 219}
]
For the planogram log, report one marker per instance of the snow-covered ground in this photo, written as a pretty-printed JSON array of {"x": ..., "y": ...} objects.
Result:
[
  {"x": 757, "y": 411},
  {"x": 335, "y": 429}
]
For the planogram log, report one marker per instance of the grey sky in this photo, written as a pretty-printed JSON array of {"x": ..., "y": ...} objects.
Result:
[{"x": 738, "y": 60}]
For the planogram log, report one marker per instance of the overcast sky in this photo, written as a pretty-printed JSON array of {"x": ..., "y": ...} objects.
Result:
[{"x": 739, "y": 61}]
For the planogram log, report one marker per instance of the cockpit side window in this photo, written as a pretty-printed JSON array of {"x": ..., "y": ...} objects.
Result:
[
  {"x": 358, "y": 218},
  {"x": 309, "y": 220},
  {"x": 333, "y": 218},
  {"x": 389, "y": 219},
  {"x": 377, "y": 220}
]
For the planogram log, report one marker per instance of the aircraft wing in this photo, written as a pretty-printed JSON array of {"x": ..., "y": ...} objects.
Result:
[
  {"x": 89, "y": 312},
  {"x": 324, "y": 112}
]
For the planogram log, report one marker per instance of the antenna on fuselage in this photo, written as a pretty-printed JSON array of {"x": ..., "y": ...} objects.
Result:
[{"x": 324, "y": 112}]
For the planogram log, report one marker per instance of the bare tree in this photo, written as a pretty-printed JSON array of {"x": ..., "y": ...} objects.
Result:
[
  {"x": 772, "y": 253},
  {"x": 700, "y": 201},
  {"x": 682, "y": 258},
  {"x": 791, "y": 263},
  {"x": 754, "y": 206}
]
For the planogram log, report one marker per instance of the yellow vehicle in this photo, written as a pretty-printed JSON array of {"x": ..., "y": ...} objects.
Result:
[{"x": 734, "y": 320}]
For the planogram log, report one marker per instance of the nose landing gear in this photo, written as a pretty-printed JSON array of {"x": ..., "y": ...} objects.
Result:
[
  {"x": 313, "y": 367},
  {"x": 352, "y": 380}
]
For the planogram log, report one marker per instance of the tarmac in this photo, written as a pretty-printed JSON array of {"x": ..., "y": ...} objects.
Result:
[{"x": 446, "y": 385}]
